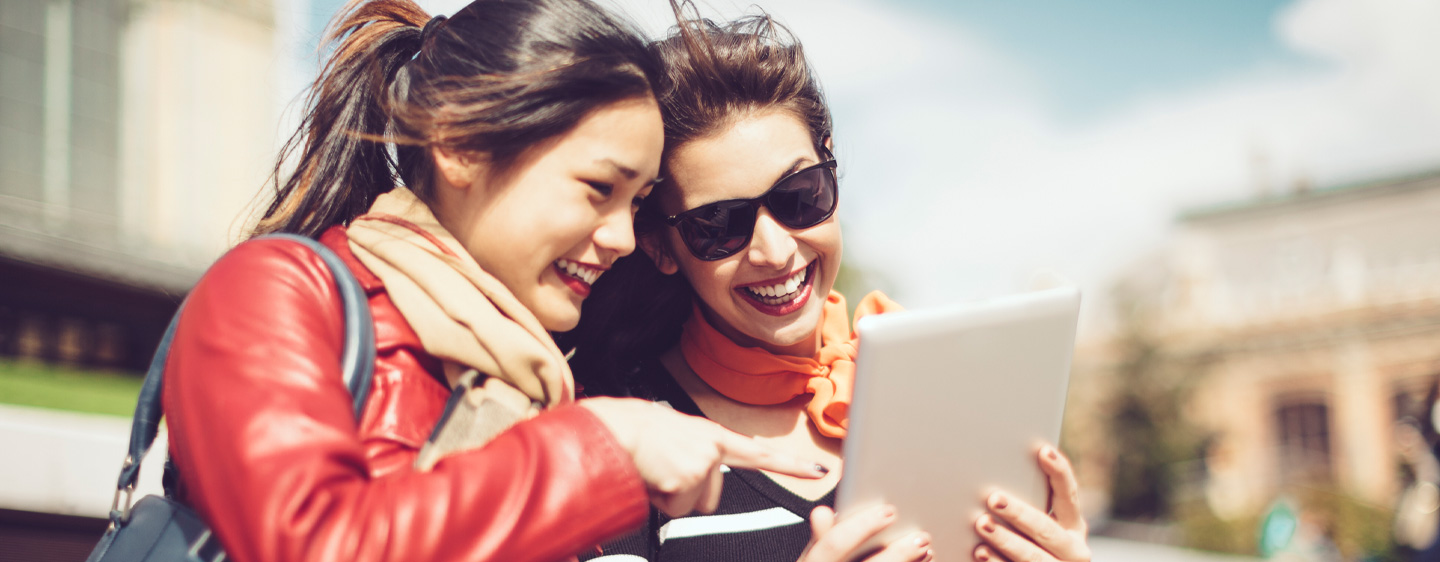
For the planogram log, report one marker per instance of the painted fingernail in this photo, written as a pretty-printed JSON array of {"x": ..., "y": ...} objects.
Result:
[
  {"x": 987, "y": 525},
  {"x": 929, "y": 555},
  {"x": 1050, "y": 452},
  {"x": 998, "y": 501},
  {"x": 982, "y": 555},
  {"x": 821, "y": 469},
  {"x": 922, "y": 540}
]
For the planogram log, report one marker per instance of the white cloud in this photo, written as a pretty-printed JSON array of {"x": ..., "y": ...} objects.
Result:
[
  {"x": 960, "y": 181},
  {"x": 963, "y": 193}
]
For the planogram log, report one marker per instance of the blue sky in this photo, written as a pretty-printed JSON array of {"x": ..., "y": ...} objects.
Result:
[
  {"x": 1096, "y": 55},
  {"x": 982, "y": 141}
]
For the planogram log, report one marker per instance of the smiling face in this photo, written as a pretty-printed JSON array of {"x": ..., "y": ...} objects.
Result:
[
  {"x": 771, "y": 293},
  {"x": 551, "y": 223}
]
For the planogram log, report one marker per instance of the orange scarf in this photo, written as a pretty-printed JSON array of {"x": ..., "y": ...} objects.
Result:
[{"x": 753, "y": 375}]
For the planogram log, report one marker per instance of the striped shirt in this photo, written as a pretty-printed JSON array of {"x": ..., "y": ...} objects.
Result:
[{"x": 757, "y": 520}]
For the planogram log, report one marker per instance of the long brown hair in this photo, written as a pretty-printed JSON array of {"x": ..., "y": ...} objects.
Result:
[
  {"x": 712, "y": 75},
  {"x": 494, "y": 79}
]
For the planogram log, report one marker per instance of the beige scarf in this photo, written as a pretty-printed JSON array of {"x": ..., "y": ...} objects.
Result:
[{"x": 492, "y": 347}]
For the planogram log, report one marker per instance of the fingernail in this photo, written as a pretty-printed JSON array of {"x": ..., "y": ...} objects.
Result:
[
  {"x": 922, "y": 541},
  {"x": 988, "y": 525},
  {"x": 998, "y": 501},
  {"x": 887, "y": 512},
  {"x": 1050, "y": 452},
  {"x": 983, "y": 555},
  {"x": 821, "y": 469}
]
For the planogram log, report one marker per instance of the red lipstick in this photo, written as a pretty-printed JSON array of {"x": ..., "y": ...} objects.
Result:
[{"x": 782, "y": 309}]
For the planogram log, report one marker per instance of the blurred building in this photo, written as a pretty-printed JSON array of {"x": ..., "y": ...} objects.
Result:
[
  {"x": 1296, "y": 326},
  {"x": 133, "y": 136}
]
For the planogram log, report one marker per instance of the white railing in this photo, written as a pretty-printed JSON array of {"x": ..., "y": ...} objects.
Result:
[{"x": 67, "y": 463}]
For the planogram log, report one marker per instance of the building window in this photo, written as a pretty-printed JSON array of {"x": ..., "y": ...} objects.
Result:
[{"x": 1304, "y": 440}]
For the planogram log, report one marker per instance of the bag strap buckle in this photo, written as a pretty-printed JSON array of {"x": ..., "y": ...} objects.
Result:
[{"x": 119, "y": 516}]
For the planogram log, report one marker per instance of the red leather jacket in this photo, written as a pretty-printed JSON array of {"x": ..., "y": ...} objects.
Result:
[{"x": 268, "y": 450}]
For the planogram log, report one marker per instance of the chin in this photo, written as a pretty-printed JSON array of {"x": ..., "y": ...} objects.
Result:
[
  {"x": 787, "y": 338},
  {"x": 562, "y": 317},
  {"x": 804, "y": 326},
  {"x": 561, "y": 324}
]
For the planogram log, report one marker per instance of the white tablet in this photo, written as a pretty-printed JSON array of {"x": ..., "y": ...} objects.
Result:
[{"x": 949, "y": 404}]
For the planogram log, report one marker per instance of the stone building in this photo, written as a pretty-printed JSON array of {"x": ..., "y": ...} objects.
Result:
[
  {"x": 133, "y": 135},
  {"x": 1301, "y": 323}
]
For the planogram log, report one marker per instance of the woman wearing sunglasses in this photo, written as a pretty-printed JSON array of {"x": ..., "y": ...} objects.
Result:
[
  {"x": 476, "y": 174},
  {"x": 730, "y": 314}
]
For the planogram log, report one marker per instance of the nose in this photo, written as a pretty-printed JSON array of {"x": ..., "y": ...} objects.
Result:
[
  {"x": 772, "y": 246},
  {"x": 616, "y": 233}
]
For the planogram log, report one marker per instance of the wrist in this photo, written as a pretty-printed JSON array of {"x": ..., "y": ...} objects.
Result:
[{"x": 614, "y": 414}]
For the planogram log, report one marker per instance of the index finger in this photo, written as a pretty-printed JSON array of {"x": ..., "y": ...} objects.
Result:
[{"x": 738, "y": 451}]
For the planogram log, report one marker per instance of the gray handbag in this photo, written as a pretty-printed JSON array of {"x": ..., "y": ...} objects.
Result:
[{"x": 160, "y": 529}]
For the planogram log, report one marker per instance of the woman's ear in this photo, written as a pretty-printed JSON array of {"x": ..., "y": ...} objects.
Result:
[
  {"x": 659, "y": 253},
  {"x": 455, "y": 168}
]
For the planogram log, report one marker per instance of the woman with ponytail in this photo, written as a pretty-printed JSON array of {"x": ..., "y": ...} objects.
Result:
[
  {"x": 476, "y": 174},
  {"x": 730, "y": 314}
]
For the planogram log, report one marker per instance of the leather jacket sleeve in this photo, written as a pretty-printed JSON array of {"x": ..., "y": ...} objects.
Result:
[{"x": 267, "y": 447}]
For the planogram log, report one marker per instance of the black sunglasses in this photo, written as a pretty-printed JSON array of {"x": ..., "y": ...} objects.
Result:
[{"x": 800, "y": 200}]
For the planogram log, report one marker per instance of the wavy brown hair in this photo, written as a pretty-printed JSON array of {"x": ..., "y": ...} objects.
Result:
[
  {"x": 713, "y": 74},
  {"x": 494, "y": 79}
]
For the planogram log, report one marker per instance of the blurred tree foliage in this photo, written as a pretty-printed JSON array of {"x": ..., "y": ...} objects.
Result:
[
  {"x": 1358, "y": 529},
  {"x": 1200, "y": 528},
  {"x": 1159, "y": 468},
  {"x": 1157, "y": 451}
]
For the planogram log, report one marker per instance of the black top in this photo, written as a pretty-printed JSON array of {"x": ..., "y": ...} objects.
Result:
[{"x": 757, "y": 520}]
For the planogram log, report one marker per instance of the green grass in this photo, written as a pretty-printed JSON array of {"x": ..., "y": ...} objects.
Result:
[{"x": 29, "y": 383}]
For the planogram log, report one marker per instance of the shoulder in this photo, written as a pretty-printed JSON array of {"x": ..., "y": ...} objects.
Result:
[
  {"x": 265, "y": 283},
  {"x": 267, "y": 261},
  {"x": 288, "y": 263}
]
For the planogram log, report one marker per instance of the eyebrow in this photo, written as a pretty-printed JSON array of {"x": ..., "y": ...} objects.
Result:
[
  {"x": 626, "y": 171},
  {"x": 795, "y": 167}
]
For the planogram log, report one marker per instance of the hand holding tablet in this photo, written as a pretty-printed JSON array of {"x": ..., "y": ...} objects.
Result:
[
  {"x": 832, "y": 541},
  {"x": 1027, "y": 533},
  {"x": 950, "y": 411}
]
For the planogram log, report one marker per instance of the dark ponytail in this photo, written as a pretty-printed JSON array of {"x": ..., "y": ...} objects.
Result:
[
  {"x": 494, "y": 79},
  {"x": 712, "y": 75}
]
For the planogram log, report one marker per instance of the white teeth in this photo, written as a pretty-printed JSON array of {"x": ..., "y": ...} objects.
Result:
[
  {"x": 781, "y": 292},
  {"x": 578, "y": 271}
]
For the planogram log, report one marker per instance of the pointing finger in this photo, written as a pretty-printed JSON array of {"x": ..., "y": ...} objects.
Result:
[{"x": 738, "y": 451}]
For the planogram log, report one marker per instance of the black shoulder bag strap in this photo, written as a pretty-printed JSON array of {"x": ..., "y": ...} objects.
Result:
[{"x": 357, "y": 365}]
